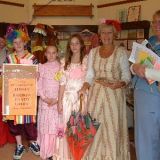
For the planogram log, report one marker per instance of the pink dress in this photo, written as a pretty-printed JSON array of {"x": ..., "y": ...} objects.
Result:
[
  {"x": 48, "y": 87},
  {"x": 73, "y": 80}
]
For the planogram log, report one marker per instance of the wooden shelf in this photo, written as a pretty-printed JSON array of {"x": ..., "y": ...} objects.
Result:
[
  {"x": 117, "y": 3},
  {"x": 63, "y": 10},
  {"x": 12, "y": 3},
  {"x": 136, "y": 25}
]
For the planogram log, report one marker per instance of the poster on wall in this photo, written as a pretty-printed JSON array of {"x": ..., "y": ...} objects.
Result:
[
  {"x": 134, "y": 13},
  {"x": 19, "y": 90}
]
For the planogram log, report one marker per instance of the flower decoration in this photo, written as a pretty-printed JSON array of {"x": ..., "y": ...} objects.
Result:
[
  {"x": 60, "y": 132},
  {"x": 115, "y": 23},
  {"x": 58, "y": 76}
]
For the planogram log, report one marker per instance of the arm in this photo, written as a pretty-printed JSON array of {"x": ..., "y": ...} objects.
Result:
[
  {"x": 125, "y": 72},
  {"x": 124, "y": 66},
  {"x": 90, "y": 71},
  {"x": 61, "y": 89},
  {"x": 60, "y": 98},
  {"x": 89, "y": 75},
  {"x": 40, "y": 83},
  {"x": 138, "y": 69}
]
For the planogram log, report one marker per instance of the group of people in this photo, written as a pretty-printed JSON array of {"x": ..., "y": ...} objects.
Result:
[{"x": 101, "y": 77}]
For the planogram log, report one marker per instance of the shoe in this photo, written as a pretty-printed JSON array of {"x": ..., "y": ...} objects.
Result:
[
  {"x": 34, "y": 147},
  {"x": 50, "y": 158},
  {"x": 18, "y": 152}
]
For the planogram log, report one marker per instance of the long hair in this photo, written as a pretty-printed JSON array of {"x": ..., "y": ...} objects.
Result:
[{"x": 69, "y": 53}]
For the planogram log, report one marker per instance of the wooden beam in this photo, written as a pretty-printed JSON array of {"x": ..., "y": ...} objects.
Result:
[
  {"x": 117, "y": 3},
  {"x": 63, "y": 10},
  {"x": 12, "y": 3}
]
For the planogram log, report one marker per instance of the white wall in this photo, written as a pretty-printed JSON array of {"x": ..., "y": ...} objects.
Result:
[
  {"x": 14, "y": 14},
  {"x": 147, "y": 9}
]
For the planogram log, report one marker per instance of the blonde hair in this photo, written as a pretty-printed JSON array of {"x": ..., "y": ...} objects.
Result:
[
  {"x": 102, "y": 26},
  {"x": 57, "y": 58},
  {"x": 157, "y": 13}
]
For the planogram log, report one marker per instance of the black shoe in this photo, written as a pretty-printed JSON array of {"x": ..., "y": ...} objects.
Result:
[
  {"x": 18, "y": 152},
  {"x": 34, "y": 147},
  {"x": 50, "y": 158}
]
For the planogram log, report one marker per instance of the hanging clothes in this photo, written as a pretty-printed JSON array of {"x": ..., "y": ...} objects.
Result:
[{"x": 90, "y": 39}]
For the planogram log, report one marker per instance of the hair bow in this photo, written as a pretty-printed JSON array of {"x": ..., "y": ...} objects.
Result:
[{"x": 115, "y": 23}]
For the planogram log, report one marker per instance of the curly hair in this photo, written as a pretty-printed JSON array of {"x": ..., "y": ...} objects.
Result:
[
  {"x": 16, "y": 34},
  {"x": 69, "y": 53}
]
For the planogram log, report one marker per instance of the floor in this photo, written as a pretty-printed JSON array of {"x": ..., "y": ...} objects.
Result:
[{"x": 7, "y": 151}]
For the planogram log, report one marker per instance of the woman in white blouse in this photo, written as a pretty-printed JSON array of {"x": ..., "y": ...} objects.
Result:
[{"x": 108, "y": 74}]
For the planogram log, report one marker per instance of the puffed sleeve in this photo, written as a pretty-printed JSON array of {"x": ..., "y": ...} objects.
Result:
[
  {"x": 85, "y": 63},
  {"x": 40, "y": 81},
  {"x": 124, "y": 66},
  {"x": 90, "y": 71}
]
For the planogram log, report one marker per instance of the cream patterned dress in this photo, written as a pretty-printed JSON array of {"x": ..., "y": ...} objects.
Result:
[{"x": 109, "y": 107}]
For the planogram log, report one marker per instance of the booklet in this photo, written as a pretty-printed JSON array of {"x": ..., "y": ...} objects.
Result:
[{"x": 141, "y": 54}]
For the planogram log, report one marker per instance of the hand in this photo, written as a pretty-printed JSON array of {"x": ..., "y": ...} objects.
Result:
[
  {"x": 47, "y": 100},
  {"x": 50, "y": 101},
  {"x": 60, "y": 107},
  {"x": 139, "y": 69},
  {"x": 53, "y": 101},
  {"x": 37, "y": 75},
  {"x": 84, "y": 89}
]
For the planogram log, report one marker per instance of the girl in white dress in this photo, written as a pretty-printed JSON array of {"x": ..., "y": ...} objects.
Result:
[{"x": 74, "y": 71}]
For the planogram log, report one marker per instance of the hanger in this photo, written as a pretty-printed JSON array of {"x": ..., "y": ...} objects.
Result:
[{"x": 86, "y": 31}]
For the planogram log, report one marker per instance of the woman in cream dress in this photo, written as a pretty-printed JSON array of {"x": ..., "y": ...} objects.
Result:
[{"x": 107, "y": 75}]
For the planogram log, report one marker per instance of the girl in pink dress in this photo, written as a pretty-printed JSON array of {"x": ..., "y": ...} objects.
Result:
[
  {"x": 48, "y": 88},
  {"x": 74, "y": 73}
]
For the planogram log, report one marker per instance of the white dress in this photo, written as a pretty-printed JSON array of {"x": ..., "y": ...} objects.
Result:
[{"x": 73, "y": 80}]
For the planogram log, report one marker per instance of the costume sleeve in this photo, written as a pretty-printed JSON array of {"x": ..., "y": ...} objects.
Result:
[
  {"x": 90, "y": 71},
  {"x": 131, "y": 69},
  {"x": 6, "y": 60},
  {"x": 35, "y": 60},
  {"x": 40, "y": 82},
  {"x": 85, "y": 63},
  {"x": 124, "y": 66}
]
